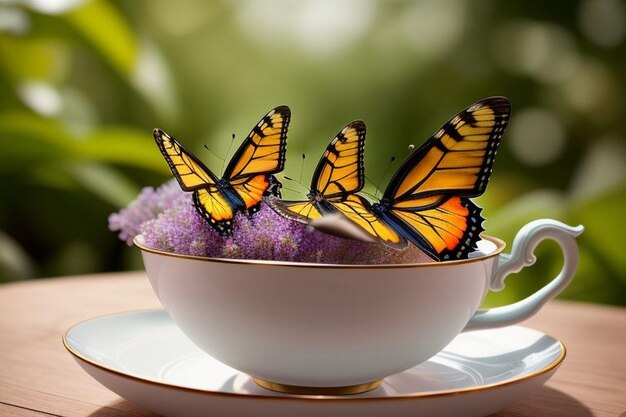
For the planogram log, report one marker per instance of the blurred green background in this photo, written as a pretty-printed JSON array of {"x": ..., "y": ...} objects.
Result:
[{"x": 83, "y": 83}]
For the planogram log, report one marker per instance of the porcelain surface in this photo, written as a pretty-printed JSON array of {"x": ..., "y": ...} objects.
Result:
[
  {"x": 340, "y": 325},
  {"x": 145, "y": 358}
]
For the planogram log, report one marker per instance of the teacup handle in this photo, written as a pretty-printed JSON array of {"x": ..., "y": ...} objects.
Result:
[{"x": 522, "y": 255}]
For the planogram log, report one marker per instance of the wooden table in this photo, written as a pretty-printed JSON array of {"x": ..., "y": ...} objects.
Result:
[{"x": 39, "y": 378}]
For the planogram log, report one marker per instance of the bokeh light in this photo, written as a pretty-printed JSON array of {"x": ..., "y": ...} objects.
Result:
[
  {"x": 603, "y": 21},
  {"x": 546, "y": 52},
  {"x": 421, "y": 26},
  {"x": 592, "y": 90},
  {"x": 312, "y": 26},
  {"x": 42, "y": 98},
  {"x": 602, "y": 170},
  {"x": 13, "y": 20},
  {"x": 536, "y": 136}
]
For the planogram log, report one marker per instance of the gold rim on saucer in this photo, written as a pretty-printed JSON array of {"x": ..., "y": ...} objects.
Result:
[
  {"x": 295, "y": 389},
  {"x": 301, "y": 397}
]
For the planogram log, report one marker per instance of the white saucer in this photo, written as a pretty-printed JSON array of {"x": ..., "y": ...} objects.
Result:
[{"x": 145, "y": 358}]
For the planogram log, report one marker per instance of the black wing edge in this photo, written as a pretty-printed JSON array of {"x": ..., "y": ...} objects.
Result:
[
  {"x": 467, "y": 243},
  {"x": 285, "y": 111},
  {"x": 359, "y": 126},
  {"x": 274, "y": 203},
  {"x": 274, "y": 188},
  {"x": 272, "y": 191},
  {"x": 223, "y": 227},
  {"x": 157, "y": 134},
  {"x": 502, "y": 107}
]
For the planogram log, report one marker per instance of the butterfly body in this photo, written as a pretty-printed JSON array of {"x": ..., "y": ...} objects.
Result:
[
  {"x": 248, "y": 178},
  {"x": 321, "y": 203},
  {"x": 231, "y": 195}
]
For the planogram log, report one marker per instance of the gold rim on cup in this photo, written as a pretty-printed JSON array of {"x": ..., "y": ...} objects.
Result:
[{"x": 500, "y": 246}]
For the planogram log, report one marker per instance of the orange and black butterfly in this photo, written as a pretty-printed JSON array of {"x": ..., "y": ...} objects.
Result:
[
  {"x": 339, "y": 175},
  {"x": 427, "y": 200},
  {"x": 248, "y": 176}
]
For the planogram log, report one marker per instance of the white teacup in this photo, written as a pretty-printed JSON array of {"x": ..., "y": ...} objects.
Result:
[{"x": 311, "y": 328}]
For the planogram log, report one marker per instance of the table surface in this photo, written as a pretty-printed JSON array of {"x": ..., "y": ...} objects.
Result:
[{"x": 39, "y": 378}]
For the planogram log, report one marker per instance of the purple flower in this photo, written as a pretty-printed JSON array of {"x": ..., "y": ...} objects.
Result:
[
  {"x": 148, "y": 205},
  {"x": 168, "y": 221},
  {"x": 180, "y": 229}
]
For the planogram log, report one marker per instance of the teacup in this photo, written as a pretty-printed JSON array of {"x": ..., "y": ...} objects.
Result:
[{"x": 341, "y": 329}]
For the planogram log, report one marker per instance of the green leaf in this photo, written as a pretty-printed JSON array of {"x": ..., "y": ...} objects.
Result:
[
  {"x": 107, "y": 30},
  {"x": 123, "y": 146},
  {"x": 32, "y": 140},
  {"x": 105, "y": 182},
  {"x": 605, "y": 223},
  {"x": 39, "y": 145},
  {"x": 38, "y": 58},
  {"x": 595, "y": 279}
]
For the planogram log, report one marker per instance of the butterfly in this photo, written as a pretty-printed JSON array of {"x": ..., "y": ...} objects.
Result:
[
  {"x": 427, "y": 201},
  {"x": 339, "y": 175},
  {"x": 248, "y": 176}
]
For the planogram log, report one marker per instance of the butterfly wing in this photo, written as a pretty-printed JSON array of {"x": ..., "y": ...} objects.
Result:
[
  {"x": 210, "y": 199},
  {"x": 445, "y": 229},
  {"x": 458, "y": 158},
  {"x": 340, "y": 171},
  {"x": 338, "y": 174},
  {"x": 188, "y": 170},
  {"x": 259, "y": 156},
  {"x": 426, "y": 200},
  {"x": 216, "y": 207},
  {"x": 300, "y": 211},
  {"x": 252, "y": 189},
  {"x": 354, "y": 207},
  {"x": 358, "y": 210}
]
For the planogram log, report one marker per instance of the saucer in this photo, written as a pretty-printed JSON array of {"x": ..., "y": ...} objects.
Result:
[{"x": 145, "y": 358}]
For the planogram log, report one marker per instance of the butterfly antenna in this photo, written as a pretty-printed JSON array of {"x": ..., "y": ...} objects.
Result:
[
  {"x": 297, "y": 182},
  {"x": 290, "y": 189},
  {"x": 371, "y": 182},
  {"x": 370, "y": 194},
  {"x": 227, "y": 153},
  {"x": 213, "y": 153},
  {"x": 382, "y": 177},
  {"x": 302, "y": 168}
]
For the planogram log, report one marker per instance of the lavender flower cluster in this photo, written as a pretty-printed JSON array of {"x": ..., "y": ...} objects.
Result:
[{"x": 169, "y": 222}]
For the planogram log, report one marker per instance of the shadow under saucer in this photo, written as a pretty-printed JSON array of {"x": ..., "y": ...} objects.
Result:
[
  {"x": 547, "y": 401},
  {"x": 122, "y": 408}
]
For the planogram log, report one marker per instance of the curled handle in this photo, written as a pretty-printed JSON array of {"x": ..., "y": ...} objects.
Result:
[{"x": 521, "y": 256}]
